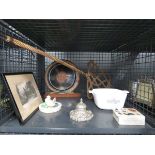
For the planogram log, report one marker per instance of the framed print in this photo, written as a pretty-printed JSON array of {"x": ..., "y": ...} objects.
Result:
[
  {"x": 24, "y": 94},
  {"x": 145, "y": 93}
]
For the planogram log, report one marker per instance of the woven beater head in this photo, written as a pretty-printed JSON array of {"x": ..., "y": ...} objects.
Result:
[{"x": 96, "y": 78}]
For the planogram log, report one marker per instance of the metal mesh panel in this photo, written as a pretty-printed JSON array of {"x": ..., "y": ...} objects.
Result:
[
  {"x": 82, "y": 34},
  {"x": 133, "y": 70},
  {"x": 14, "y": 59},
  {"x": 81, "y": 59}
]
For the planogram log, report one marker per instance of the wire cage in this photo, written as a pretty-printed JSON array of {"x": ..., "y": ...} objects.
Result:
[
  {"x": 134, "y": 71},
  {"x": 14, "y": 59},
  {"x": 131, "y": 67}
]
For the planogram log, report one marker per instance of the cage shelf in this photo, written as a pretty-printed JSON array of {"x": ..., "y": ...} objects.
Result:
[
  {"x": 123, "y": 48},
  {"x": 60, "y": 123}
]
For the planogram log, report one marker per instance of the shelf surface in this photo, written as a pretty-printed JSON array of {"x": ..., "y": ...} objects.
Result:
[{"x": 60, "y": 123}]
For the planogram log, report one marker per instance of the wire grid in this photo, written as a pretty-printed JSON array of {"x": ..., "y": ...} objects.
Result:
[
  {"x": 82, "y": 34},
  {"x": 133, "y": 70},
  {"x": 13, "y": 59}
]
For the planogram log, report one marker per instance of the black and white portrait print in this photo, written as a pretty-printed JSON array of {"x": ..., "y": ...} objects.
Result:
[{"x": 26, "y": 92}]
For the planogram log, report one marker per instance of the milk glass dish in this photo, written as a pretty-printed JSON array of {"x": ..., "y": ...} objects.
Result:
[{"x": 109, "y": 98}]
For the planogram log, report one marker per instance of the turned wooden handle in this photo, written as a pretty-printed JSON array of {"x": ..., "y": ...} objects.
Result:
[{"x": 43, "y": 53}]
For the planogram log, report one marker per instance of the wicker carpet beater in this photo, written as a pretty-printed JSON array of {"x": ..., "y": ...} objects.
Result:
[{"x": 93, "y": 81}]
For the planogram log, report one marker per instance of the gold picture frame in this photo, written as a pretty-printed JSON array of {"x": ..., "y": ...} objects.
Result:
[
  {"x": 145, "y": 93},
  {"x": 24, "y": 93}
]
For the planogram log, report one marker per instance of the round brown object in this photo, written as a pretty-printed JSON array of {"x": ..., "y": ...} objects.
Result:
[{"x": 60, "y": 78}]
